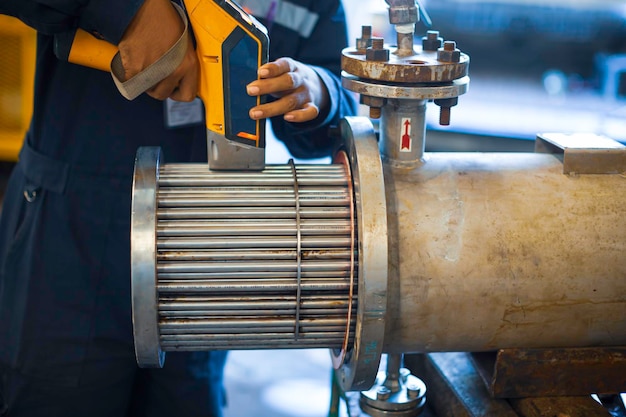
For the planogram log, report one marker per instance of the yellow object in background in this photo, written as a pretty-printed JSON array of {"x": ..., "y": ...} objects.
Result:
[{"x": 17, "y": 72}]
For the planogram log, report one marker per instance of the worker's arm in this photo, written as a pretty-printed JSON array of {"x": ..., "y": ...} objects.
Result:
[{"x": 143, "y": 30}]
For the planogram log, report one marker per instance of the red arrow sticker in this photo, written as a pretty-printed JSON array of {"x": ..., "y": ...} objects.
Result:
[{"x": 406, "y": 142}]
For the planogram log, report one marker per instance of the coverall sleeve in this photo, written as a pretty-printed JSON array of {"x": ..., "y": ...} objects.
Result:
[
  {"x": 321, "y": 50},
  {"x": 105, "y": 19}
]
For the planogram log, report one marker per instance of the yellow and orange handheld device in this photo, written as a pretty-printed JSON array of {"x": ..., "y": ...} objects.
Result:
[{"x": 231, "y": 45}]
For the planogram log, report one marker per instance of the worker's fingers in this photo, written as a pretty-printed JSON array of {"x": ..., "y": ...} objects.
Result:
[
  {"x": 308, "y": 112},
  {"x": 296, "y": 100},
  {"x": 277, "y": 86},
  {"x": 276, "y": 68},
  {"x": 182, "y": 84},
  {"x": 187, "y": 89}
]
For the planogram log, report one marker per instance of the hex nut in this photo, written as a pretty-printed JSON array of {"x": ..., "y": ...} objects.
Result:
[
  {"x": 372, "y": 101},
  {"x": 432, "y": 41},
  {"x": 447, "y": 102},
  {"x": 404, "y": 374},
  {"x": 365, "y": 41},
  {"x": 383, "y": 393},
  {"x": 374, "y": 54},
  {"x": 413, "y": 391},
  {"x": 375, "y": 104},
  {"x": 400, "y": 14},
  {"x": 444, "y": 55}
]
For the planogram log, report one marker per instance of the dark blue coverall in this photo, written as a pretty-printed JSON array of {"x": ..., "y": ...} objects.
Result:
[{"x": 66, "y": 344}]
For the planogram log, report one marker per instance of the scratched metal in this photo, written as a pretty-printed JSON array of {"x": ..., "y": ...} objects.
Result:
[
  {"x": 422, "y": 67},
  {"x": 493, "y": 251}
]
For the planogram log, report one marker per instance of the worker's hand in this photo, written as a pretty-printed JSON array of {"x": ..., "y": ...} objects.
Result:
[
  {"x": 300, "y": 91},
  {"x": 152, "y": 32}
]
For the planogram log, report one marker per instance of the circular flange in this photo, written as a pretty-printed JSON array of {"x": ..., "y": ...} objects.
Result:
[
  {"x": 358, "y": 369},
  {"x": 408, "y": 401},
  {"x": 421, "y": 67},
  {"x": 418, "y": 92},
  {"x": 143, "y": 259}
]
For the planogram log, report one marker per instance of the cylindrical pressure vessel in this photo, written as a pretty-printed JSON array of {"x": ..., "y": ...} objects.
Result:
[
  {"x": 490, "y": 251},
  {"x": 463, "y": 252}
]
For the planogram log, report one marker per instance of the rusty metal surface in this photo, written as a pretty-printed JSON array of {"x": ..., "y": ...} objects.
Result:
[
  {"x": 454, "y": 387},
  {"x": 495, "y": 251},
  {"x": 584, "y": 153},
  {"x": 517, "y": 373},
  {"x": 559, "y": 407},
  {"x": 422, "y": 67}
]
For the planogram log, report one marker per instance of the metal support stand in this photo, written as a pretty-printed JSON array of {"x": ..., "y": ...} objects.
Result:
[{"x": 456, "y": 389}]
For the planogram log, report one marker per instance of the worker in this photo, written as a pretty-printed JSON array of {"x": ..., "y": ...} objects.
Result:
[{"x": 66, "y": 343}]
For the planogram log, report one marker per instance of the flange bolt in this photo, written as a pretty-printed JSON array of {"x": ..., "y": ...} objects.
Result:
[
  {"x": 377, "y": 52},
  {"x": 446, "y": 105},
  {"x": 365, "y": 41},
  {"x": 383, "y": 394},
  {"x": 449, "y": 52},
  {"x": 432, "y": 41}
]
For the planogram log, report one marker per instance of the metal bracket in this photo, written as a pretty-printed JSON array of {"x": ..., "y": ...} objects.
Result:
[
  {"x": 584, "y": 153},
  {"x": 516, "y": 373}
]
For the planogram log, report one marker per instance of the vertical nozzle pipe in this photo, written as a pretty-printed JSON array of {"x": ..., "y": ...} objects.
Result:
[{"x": 403, "y": 131}]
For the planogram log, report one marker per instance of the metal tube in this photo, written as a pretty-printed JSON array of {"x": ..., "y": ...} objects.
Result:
[
  {"x": 275, "y": 254},
  {"x": 252, "y": 213},
  {"x": 243, "y": 266},
  {"x": 240, "y": 242},
  {"x": 252, "y": 286},
  {"x": 164, "y": 277},
  {"x": 194, "y": 312},
  {"x": 201, "y": 181},
  {"x": 231, "y": 301},
  {"x": 266, "y": 336},
  {"x": 234, "y": 324},
  {"x": 223, "y": 228},
  {"x": 246, "y": 202},
  {"x": 252, "y": 344}
]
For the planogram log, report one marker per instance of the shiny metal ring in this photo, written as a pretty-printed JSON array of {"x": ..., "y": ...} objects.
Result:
[
  {"x": 143, "y": 258},
  {"x": 360, "y": 367},
  {"x": 298, "y": 249},
  {"x": 408, "y": 91}
]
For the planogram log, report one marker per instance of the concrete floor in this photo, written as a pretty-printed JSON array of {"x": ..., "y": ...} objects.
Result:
[{"x": 278, "y": 383}]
